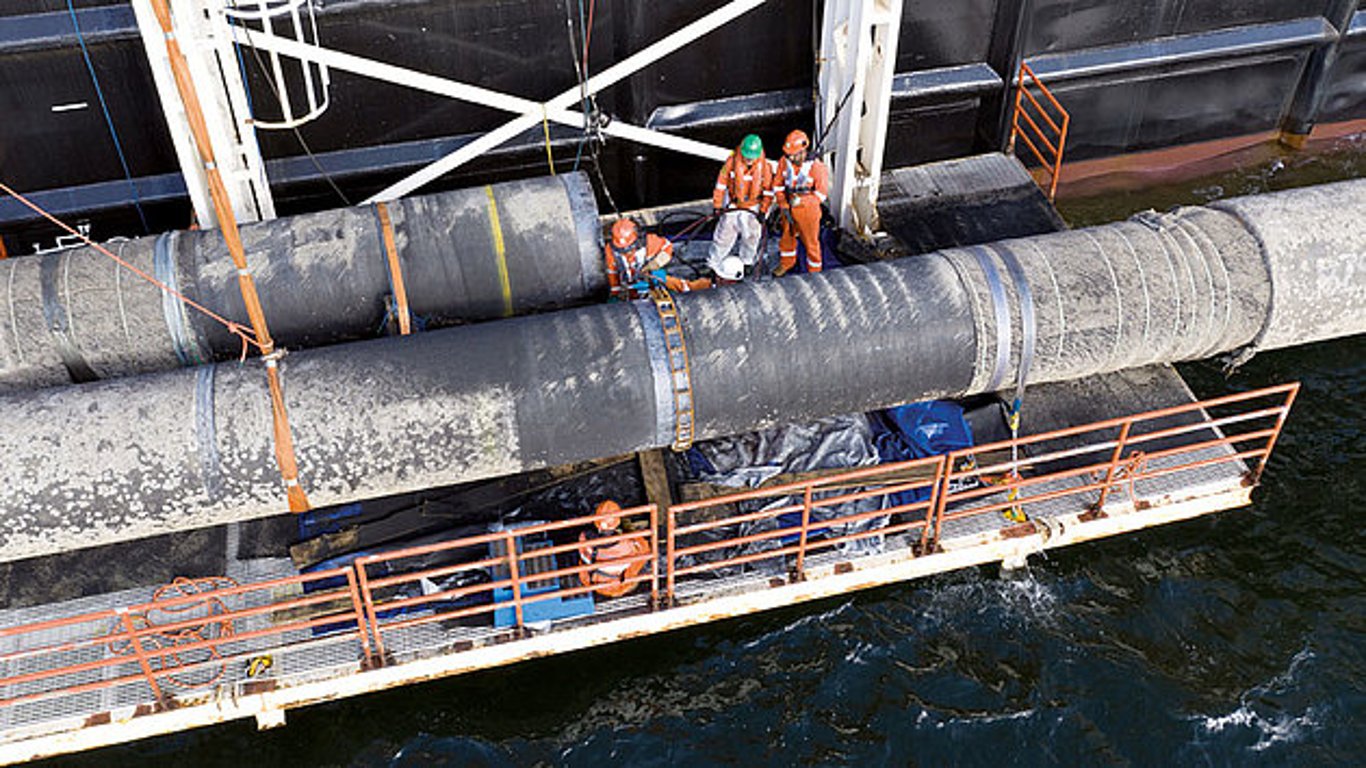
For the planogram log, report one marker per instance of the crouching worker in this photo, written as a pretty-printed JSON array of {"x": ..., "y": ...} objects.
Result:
[
  {"x": 635, "y": 263},
  {"x": 609, "y": 576}
]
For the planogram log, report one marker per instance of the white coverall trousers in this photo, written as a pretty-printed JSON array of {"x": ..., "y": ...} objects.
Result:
[{"x": 743, "y": 224}]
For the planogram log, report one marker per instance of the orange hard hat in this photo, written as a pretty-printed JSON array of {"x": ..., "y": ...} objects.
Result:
[
  {"x": 796, "y": 142},
  {"x": 612, "y": 521},
  {"x": 625, "y": 233}
]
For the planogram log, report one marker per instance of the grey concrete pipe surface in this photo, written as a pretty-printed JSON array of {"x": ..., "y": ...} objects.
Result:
[
  {"x": 470, "y": 254},
  {"x": 133, "y": 457}
]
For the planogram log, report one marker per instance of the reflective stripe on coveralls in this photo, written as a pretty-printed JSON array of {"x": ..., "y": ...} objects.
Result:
[
  {"x": 801, "y": 190},
  {"x": 744, "y": 184},
  {"x": 625, "y": 270}
]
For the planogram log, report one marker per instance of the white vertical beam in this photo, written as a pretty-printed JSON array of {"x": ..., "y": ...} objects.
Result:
[
  {"x": 205, "y": 38},
  {"x": 857, "y": 63}
]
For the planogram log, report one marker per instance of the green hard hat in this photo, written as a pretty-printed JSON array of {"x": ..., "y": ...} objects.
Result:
[{"x": 751, "y": 147}]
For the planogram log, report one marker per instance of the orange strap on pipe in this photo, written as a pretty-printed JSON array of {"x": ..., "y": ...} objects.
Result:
[
  {"x": 386, "y": 226},
  {"x": 227, "y": 222}
]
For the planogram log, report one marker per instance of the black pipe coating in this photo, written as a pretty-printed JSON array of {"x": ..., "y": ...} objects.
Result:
[
  {"x": 466, "y": 255},
  {"x": 134, "y": 457}
]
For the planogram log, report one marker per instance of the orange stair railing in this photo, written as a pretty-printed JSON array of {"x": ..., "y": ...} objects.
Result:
[{"x": 1023, "y": 125}]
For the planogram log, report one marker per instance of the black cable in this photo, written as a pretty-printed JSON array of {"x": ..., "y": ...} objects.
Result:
[
  {"x": 816, "y": 150},
  {"x": 579, "y": 75},
  {"x": 261, "y": 67}
]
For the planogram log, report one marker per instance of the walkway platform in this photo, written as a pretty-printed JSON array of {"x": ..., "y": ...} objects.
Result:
[{"x": 260, "y": 638}]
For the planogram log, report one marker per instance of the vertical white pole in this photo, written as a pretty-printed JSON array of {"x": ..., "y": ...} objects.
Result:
[
  {"x": 857, "y": 65},
  {"x": 203, "y": 34}
]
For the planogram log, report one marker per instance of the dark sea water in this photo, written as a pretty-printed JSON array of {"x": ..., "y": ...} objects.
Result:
[{"x": 1236, "y": 639}]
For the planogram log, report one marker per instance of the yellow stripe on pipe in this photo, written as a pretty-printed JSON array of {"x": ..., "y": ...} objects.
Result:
[{"x": 500, "y": 251}]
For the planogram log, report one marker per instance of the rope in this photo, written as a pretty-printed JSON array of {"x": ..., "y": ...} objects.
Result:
[
  {"x": 386, "y": 227},
  {"x": 108, "y": 119},
  {"x": 158, "y": 646},
  {"x": 284, "y": 443}
]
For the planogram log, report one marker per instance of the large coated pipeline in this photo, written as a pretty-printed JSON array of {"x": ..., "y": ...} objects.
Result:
[
  {"x": 470, "y": 254},
  {"x": 133, "y": 457}
]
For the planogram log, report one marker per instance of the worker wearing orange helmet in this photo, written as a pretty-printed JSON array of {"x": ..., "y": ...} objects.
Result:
[
  {"x": 802, "y": 184},
  {"x": 741, "y": 199},
  {"x": 634, "y": 263},
  {"x": 610, "y": 576}
]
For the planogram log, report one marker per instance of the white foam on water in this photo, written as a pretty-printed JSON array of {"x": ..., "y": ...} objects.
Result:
[{"x": 1271, "y": 726}]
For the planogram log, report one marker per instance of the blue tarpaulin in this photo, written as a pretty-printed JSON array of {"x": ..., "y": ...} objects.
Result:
[{"x": 918, "y": 430}]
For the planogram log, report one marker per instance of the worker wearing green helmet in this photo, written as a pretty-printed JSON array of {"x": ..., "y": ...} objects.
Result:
[{"x": 741, "y": 199}]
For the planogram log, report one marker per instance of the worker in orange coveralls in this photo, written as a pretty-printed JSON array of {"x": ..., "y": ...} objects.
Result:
[
  {"x": 636, "y": 263},
  {"x": 610, "y": 577},
  {"x": 800, "y": 188},
  {"x": 741, "y": 199}
]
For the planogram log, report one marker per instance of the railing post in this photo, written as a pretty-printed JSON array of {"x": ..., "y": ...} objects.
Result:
[
  {"x": 936, "y": 493},
  {"x": 935, "y": 515},
  {"x": 654, "y": 556},
  {"x": 1114, "y": 465},
  {"x": 670, "y": 523},
  {"x": 806, "y": 524},
  {"x": 371, "y": 614},
  {"x": 1275, "y": 435},
  {"x": 515, "y": 571},
  {"x": 1015, "y": 113},
  {"x": 136, "y": 643},
  {"x": 362, "y": 616},
  {"x": 1062, "y": 147}
]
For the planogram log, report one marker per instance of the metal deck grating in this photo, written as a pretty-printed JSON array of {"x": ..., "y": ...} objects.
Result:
[
  {"x": 320, "y": 654},
  {"x": 334, "y": 651}
]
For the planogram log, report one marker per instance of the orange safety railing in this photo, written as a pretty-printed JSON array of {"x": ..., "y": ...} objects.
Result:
[
  {"x": 392, "y": 600},
  {"x": 195, "y": 637},
  {"x": 1097, "y": 457},
  {"x": 1023, "y": 125},
  {"x": 799, "y": 519},
  {"x": 150, "y": 652}
]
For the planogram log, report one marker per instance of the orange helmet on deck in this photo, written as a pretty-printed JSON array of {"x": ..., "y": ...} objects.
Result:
[
  {"x": 612, "y": 519},
  {"x": 796, "y": 142},
  {"x": 625, "y": 233}
]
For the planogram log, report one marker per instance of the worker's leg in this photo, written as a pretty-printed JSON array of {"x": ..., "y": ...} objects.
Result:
[
  {"x": 787, "y": 248},
  {"x": 808, "y": 219},
  {"x": 679, "y": 285},
  {"x": 723, "y": 238},
  {"x": 751, "y": 231}
]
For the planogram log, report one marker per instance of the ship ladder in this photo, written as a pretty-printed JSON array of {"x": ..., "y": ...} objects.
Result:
[{"x": 680, "y": 370}]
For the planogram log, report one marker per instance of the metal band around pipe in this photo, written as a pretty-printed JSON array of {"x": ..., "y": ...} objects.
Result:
[
  {"x": 1027, "y": 322},
  {"x": 54, "y": 312},
  {"x": 1001, "y": 311},
  {"x": 184, "y": 341},
  {"x": 653, "y": 332}
]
